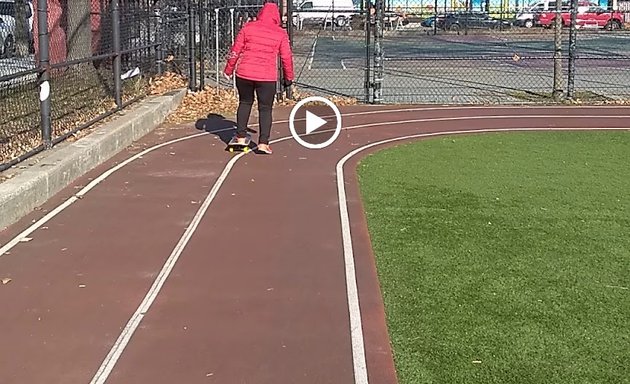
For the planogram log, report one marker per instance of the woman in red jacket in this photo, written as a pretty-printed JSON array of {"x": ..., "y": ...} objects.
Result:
[{"x": 256, "y": 50}]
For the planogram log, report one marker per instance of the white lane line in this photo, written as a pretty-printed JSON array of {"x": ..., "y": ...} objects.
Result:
[
  {"x": 118, "y": 347},
  {"x": 133, "y": 323},
  {"x": 358, "y": 350},
  {"x": 85, "y": 190},
  {"x": 17, "y": 239}
]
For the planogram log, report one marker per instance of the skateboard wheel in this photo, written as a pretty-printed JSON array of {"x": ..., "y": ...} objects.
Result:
[
  {"x": 246, "y": 150},
  {"x": 231, "y": 149}
]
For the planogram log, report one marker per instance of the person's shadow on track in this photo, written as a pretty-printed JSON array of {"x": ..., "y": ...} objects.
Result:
[{"x": 221, "y": 127}]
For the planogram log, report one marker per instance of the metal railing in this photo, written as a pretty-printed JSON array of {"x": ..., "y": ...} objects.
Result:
[{"x": 82, "y": 72}]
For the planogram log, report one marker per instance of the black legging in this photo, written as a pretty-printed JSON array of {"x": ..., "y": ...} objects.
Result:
[{"x": 265, "y": 91}]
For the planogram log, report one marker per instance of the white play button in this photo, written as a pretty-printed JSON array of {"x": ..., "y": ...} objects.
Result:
[{"x": 313, "y": 122}]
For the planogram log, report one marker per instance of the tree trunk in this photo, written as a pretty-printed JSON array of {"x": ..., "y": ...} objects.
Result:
[
  {"x": 79, "y": 34},
  {"x": 22, "y": 28}
]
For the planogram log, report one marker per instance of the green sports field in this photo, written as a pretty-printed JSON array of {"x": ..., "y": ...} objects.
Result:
[{"x": 505, "y": 257}]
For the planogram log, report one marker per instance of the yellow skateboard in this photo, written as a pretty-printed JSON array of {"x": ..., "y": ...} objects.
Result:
[{"x": 233, "y": 146}]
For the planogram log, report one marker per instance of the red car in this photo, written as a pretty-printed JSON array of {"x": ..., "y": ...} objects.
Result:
[{"x": 593, "y": 17}]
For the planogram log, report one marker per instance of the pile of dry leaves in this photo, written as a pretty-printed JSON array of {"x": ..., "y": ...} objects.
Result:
[
  {"x": 223, "y": 101},
  {"x": 166, "y": 83},
  {"x": 199, "y": 104}
]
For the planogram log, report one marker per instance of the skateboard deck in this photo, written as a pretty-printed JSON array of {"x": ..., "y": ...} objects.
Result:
[{"x": 233, "y": 146}]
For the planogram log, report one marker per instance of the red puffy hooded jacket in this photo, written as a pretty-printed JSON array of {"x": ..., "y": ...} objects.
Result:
[{"x": 257, "y": 45}]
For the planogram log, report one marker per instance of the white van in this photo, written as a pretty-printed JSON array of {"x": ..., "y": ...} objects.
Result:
[
  {"x": 339, "y": 11},
  {"x": 525, "y": 17}
]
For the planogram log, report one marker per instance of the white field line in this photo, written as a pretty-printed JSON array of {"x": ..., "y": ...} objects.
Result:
[
  {"x": 312, "y": 55},
  {"x": 358, "y": 351}
]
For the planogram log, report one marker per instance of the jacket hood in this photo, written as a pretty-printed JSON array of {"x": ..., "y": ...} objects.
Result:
[{"x": 269, "y": 13}]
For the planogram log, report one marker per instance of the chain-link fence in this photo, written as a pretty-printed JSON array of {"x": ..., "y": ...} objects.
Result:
[
  {"x": 96, "y": 56},
  {"x": 469, "y": 51},
  {"x": 316, "y": 36},
  {"x": 427, "y": 51},
  {"x": 502, "y": 52},
  {"x": 218, "y": 23},
  {"x": 332, "y": 49},
  {"x": 78, "y": 62}
]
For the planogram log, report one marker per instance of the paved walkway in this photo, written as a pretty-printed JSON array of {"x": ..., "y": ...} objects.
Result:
[{"x": 190, "y": 265}]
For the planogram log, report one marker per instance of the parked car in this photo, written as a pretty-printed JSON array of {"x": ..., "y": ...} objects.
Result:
[
  {"x": 341, "y": 11},
  {"x": 592, "y": 17},
  {"x": 8, "y": 24},
  {"x": 472, "y": 20},
  {"x": 429, "y": 21},
  {"x": 527, "y": 16}
]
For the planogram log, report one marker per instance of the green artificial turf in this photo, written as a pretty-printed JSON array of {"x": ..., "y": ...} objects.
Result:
[{"x": 504, "y": 258}]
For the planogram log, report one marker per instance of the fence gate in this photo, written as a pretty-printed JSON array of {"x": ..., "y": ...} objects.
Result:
[
  {"x": 340, "y": 52},
  {"x": 334, "y": 49},
  {"x": 335, "y": 52}
]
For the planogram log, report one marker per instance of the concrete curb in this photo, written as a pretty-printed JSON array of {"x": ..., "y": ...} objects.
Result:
[{"x": 60, "y": 166}]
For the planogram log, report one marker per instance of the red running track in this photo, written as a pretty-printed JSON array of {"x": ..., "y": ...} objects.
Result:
[{"x": 186, "y": 264}]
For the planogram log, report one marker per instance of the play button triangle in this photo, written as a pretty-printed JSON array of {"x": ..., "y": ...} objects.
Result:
[{"x": 313, "y": 122}]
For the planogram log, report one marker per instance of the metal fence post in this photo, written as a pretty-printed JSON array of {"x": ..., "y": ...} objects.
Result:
[
  {"x": 202, "y": 33},
  {"x": 159, "y": 39},
  {"x": 116, "y": 43},
  {"x": 378, "y": 52},
  {"x": 435, "y": 16},
  {"x": 44, "y": 67},
  {"x": 289, "y": 90},
  {"x": 290, "y": 22},
  {"x": 279, "y": 83},
  {"x": 572, "y": 42},
  {"x": 557, "y": 56},
  {"x": 368, "y": 53},
  {"x": 233, "y": 39},
  {"x": 192, "y": 71},
  {"x": 216, "y": 42}
]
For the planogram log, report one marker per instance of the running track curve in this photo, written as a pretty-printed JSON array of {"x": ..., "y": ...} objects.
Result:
[{"x": 175, "y": 262}]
